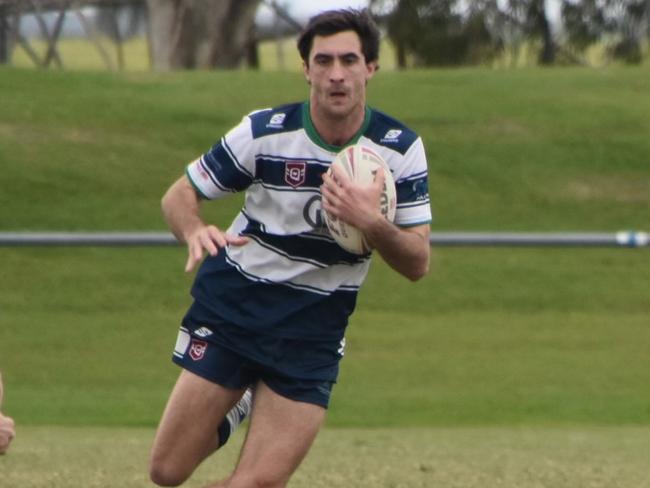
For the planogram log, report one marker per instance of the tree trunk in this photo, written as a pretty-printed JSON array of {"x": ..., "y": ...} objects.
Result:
[
  {"x": 4, "y": 35},
  {"x": 186, "y": 34},
  {"x": 547, "y": 55},
  {"x": 230, "y": 41},
  {"x": 400, "y": 55}
]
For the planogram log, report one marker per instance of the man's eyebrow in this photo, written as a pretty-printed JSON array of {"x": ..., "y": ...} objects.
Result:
[{"x": 348, "y": 55}]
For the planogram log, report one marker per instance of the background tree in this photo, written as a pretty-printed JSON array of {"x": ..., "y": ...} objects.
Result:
[
  {"x": 441, "y": 32},
  {"x": 530, "y": 18},
  {"x": 624, "y": 22},
  {"x": 119, "y": 22},
  {"x": 200, "y": 33}
]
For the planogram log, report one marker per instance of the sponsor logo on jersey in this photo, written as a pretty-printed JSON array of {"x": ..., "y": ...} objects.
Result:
[
  {"x": 421, "y": 190},
  {"x": 197, "y": 349},
  {"x": 203, "y": 332},
  {"x": 277, "y": 121},
  {"x": 313, "y": 215},
  {"x": 295, "y": 172},
  {"x": 392, "y": 135}
]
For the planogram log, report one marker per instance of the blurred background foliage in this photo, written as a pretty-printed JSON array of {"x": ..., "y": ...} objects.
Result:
[{"x": 183, "y": 34}]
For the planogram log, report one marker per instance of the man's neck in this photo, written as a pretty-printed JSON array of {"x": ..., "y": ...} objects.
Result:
[{"x": 337, "y": 131}]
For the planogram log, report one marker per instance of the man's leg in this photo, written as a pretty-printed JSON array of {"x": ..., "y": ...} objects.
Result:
[
  {"x": 280, "y": 433},
  {"x": 187, "y": 433}
]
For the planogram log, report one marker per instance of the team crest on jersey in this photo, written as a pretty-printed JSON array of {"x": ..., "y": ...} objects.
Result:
[
  {"x": 197, "y": 349},
  {"x": 295, "y": 172}
]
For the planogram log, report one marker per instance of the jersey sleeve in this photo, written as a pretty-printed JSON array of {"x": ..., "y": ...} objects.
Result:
[
  {"x": 228, "y": 167},
  {"x": 412, "y": 184}
]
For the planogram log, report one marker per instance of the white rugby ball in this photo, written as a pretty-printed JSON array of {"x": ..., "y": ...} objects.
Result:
[{"x": 360, "y": 163}]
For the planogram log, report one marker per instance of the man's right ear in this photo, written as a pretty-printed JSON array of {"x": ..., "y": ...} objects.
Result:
[{"x": 305, "y": 70}]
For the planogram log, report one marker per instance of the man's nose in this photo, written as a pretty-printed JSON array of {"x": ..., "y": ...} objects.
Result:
[{"x": 336, "y": 72}]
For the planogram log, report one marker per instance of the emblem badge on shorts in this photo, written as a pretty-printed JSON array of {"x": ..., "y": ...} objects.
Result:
[
  {"x": 295, "y": 172},
  {"x": 197, "y": 349}
]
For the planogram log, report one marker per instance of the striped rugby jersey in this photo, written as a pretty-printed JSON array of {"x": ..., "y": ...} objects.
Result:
[{"x": 291, "y": 279}]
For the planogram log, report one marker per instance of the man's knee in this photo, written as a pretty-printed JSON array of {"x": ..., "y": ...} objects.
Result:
[{"x": 165, "y": 473}]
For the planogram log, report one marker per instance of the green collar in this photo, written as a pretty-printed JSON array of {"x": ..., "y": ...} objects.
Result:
[{"x": 317, "y": 139}]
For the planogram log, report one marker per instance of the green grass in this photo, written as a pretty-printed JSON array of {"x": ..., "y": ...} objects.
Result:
[
  {"x": 80, "y": 54},
  {"x": 563, "y": 149},
  {"x": 491, "y": 337},
  {"x": 504, "y": 367},
  {"x": 355, "y": 458}
]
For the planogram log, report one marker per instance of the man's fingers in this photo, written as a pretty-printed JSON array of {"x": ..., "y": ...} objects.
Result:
[
  {"x": 326, "y": 191},
  {"x": 236, "y": 240},
  {"x": 7, "y": 425},
  {"x": 194, "y": 255},
  {"x": 213, "y": 240},
  {"x": 222, "y": 239},
  {"x": 7, "y": 433},
  {"x": 331, "y": 190},
  {"x": 339, "y": 177},
  {"x": 195, "y": 252},
  {"x": 189, "y": 265},
  {"x": 209, "y": 239}
]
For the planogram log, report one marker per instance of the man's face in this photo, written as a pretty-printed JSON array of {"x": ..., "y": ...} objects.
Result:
[{"x": 338, "y": 73}]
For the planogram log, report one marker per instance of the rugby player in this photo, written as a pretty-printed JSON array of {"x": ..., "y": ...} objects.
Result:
[{"x": 273, "y": 296}]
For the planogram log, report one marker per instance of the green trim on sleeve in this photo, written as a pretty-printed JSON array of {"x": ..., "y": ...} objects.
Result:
[
  {"x": 196, "y": 188},
  {"x": 406, "y": 226}
]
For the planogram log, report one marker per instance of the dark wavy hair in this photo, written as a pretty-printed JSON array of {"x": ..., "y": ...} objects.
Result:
[{"x": 335, "y": 21}]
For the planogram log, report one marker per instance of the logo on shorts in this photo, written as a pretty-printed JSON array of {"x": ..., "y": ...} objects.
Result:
[
  {"x": 197, "y": 349},
  {"x": 295, "y": 172},
  {"x": 203, "y": 332},
  {"x": 341, "y": 349}
]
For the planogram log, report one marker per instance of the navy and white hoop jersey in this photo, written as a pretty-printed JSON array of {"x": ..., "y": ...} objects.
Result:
[{"x": 291, "y": 279}]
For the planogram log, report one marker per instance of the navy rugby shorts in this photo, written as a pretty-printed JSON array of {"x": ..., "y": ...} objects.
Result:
[{"x": 236, "y": 357}]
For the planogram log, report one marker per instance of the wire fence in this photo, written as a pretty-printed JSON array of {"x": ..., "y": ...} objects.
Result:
[{"x": 627, "y": 239}]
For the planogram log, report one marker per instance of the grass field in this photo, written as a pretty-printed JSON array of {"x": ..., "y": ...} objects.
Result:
[
  {"x": 523, "y": 150},
  {"x": 503, "y": 368},
  {"x": 499, "y": 457},
  {"x": 81, "y": 54}
]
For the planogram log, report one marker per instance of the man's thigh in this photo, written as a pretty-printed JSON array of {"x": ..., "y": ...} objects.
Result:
[
  {"x": 280, "y": 434},
  {"x": 187, "y": 433}
]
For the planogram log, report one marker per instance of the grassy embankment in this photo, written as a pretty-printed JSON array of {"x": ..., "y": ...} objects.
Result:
[{"x": 543, "y": 348}]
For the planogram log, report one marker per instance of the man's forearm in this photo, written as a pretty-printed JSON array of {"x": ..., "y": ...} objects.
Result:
[
  {"x": 181, "y": 207},
  {"x": 406, "y": 250}
]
